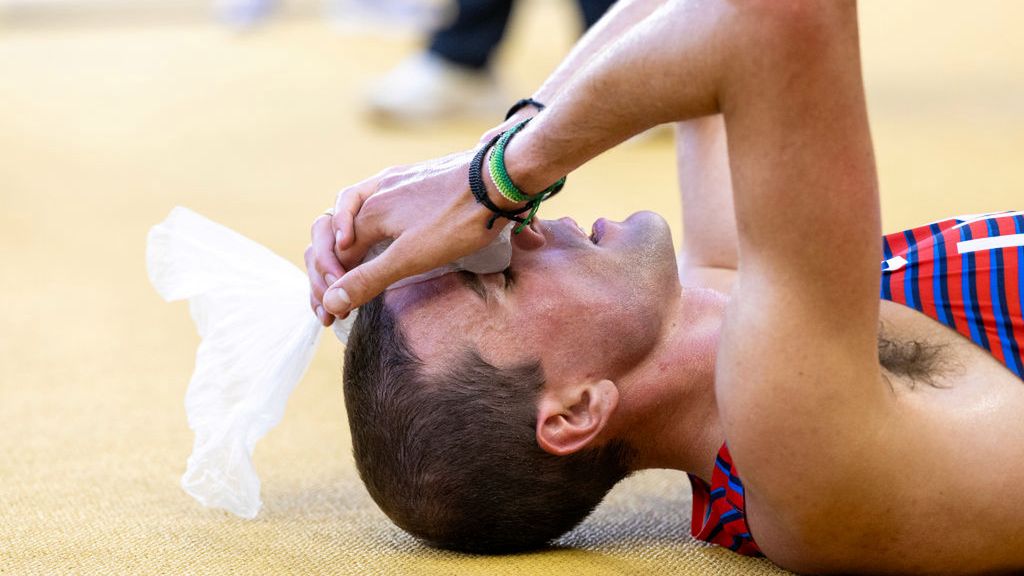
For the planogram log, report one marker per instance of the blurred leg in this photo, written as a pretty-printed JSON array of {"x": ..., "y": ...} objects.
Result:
[
  {"x": 592, "y": 10},
  {"x": 471, "y": 39},
  {"x": 452, "y": 77}
]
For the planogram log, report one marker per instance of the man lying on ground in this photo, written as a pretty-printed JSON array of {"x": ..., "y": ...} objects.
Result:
[{"x": 828, "y": 428}]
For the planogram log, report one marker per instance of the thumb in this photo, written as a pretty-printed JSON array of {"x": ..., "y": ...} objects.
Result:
[{"x": 364, "y": 282}]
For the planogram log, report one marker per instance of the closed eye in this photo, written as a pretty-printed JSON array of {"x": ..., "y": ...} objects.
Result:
[{"x": 473, "y": 282}]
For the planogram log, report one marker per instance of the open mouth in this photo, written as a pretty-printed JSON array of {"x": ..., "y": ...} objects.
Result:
[{"x": 595, "y": 232}]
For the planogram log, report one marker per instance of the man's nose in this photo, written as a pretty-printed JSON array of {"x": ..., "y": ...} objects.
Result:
[{"x": 529, "y": 238}]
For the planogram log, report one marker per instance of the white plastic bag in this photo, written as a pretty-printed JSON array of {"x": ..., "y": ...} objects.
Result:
[{"x": 251, "y": 308}]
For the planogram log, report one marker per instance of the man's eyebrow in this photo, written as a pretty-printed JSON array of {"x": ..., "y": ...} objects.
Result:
[{"x": 473, "y": 282}]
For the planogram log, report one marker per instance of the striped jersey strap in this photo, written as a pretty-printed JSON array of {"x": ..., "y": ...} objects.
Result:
[
  {"x": 719, "y": 515},
  {"x": 966, "y": 272}
]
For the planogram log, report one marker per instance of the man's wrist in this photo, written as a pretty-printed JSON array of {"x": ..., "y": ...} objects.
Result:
[
  {"x": 518, "y": 161},
  {"x": 493, "y": 193},
  {"x": 523, "y": 114},
  {"x": 521, "y": 164},
  {"x": 496, "y": 196}
]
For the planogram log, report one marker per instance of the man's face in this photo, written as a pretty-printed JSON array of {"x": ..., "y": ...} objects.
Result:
[{"x": 587, "y": 308}]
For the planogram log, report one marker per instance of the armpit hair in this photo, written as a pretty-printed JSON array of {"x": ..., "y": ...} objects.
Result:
[{"x": 917, "y": 360}]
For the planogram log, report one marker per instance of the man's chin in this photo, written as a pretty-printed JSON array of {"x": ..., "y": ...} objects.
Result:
[
  {"x": 647, "y": 218},
  {"x": 646, "y": 241},
  {"x": 650, "y": 227}
]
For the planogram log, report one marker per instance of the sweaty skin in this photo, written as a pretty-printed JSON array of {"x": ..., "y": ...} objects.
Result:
[
  {"x": 847, "y": 468},
  {"x": 664, "y": 372},
  {"x": 943, "y": 518}
]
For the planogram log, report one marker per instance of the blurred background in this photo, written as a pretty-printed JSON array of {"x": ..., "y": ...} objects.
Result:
[{"x": 254, "y": 113}]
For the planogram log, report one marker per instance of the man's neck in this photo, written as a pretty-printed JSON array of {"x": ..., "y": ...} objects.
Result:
[{"x": 667, "y": 407}]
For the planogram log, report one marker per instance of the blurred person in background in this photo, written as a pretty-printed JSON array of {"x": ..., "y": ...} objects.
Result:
[{"x": 453, "y": 76}]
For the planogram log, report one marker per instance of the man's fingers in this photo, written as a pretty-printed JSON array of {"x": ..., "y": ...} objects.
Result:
[
  {"x": 317, "y": 287},
  {"x": 372, "y": 229},
  {"x": 362, "y": 283},
  {"x": 322, "y": 242},
  {"x": 322, "y": 315},
  {"x": 347, "y": 205},
  {"x": 353, "y": 256}
]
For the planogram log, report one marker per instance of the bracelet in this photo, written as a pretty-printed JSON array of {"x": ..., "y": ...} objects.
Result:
[
  {"x": 500, "y": 175},
  {"x": 523, "y": 104},
  {"x": 479, "y": 190}
]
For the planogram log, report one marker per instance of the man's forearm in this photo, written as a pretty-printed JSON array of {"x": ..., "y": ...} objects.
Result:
[
  {"x": 623, "y": 15},
  {"x": 661, "y": 69},
  {"x": 705, "y": 186}
]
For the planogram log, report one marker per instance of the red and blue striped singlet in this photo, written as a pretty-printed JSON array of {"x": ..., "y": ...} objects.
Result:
[
  {"x": 719, "y": 511},
  {"x": 965, "y": 272}
]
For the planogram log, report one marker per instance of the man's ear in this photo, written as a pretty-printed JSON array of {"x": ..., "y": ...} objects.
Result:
[{"x": 568, "y": 420}]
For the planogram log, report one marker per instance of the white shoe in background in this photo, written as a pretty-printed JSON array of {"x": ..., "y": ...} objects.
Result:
[
  {"x": 426, "y": 88},
  {"x": 389, "y": 17}
]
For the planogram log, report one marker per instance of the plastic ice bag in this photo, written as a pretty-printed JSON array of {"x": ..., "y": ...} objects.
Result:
[{"x": 251, "y": 308}]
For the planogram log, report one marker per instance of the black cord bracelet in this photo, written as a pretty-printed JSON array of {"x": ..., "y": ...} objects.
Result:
[
  {"x": 523, "y": 104},
  {"x": 479, "y": 189}
]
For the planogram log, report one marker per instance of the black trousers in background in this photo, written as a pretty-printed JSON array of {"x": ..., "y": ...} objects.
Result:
[{"x": 480, "y": 24}]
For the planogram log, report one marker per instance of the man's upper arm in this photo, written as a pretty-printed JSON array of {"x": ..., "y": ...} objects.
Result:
[{"x": 797, "y": 368}]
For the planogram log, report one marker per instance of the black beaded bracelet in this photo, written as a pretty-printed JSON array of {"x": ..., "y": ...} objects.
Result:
[
  {"x": 479, "y": 189},
  {"x": 523, "y": 104}
]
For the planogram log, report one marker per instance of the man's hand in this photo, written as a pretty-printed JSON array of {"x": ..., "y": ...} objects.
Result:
[
  {"x": 340, "y": 231},
  {"x": 322, "y": 265},
  {"x": 427, "y": 210}
]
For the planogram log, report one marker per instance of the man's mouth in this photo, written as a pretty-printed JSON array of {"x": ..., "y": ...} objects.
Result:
[{"x": 595, "y": 233}]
